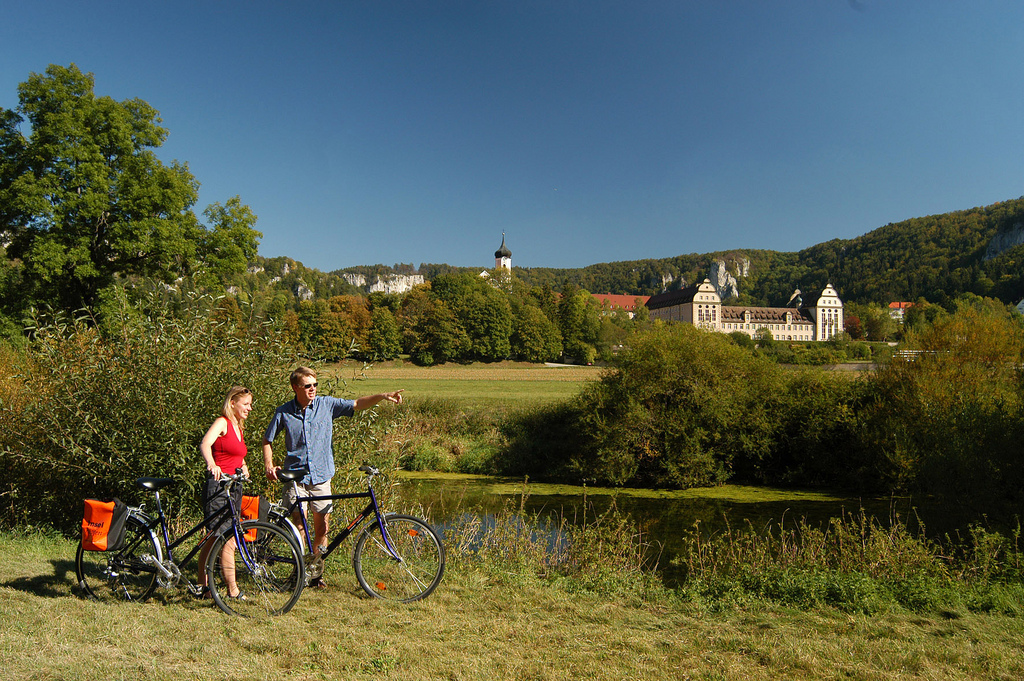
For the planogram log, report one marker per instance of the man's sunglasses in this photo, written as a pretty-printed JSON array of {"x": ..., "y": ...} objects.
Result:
[{"x": 307, "y": 386}]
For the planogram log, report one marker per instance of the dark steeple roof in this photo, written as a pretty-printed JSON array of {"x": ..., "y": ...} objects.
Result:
[{"x": 503, "y": 252}]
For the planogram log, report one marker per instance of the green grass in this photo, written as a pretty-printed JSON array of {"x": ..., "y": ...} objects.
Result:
[
  {"x": 488, "y": 619},
  {"x": 470, "y": 386},
  {"x": 451, "y": 417},
  {"x": 471, "y": 393}
]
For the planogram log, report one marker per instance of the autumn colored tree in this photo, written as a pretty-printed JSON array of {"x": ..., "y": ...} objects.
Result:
[
  {"x": 353, "y": 317},
  {"x": 948, "y": 418}
]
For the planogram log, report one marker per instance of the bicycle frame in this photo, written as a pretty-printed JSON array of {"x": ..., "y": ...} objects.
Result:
[
  {"x": 160, "y": 521},
  {"x": 372, "y": 508}
]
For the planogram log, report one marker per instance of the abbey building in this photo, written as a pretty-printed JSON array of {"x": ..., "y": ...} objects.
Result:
[{"x": 816, "y": 316}]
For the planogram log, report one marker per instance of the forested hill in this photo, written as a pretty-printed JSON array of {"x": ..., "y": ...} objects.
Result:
[{"x": 931, "y": 257}]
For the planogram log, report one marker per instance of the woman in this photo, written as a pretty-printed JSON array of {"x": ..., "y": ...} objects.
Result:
[{"x": 223, "y": 449}]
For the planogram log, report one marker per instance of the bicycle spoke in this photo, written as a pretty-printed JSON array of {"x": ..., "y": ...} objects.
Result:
[
  {"x": 413, "y": 574},
  {"x": 261, "y": 578},
  {"x": 121, "y": 575}
]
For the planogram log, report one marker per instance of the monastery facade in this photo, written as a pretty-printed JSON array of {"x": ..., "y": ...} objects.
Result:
[{"x": 817, "y": 316}]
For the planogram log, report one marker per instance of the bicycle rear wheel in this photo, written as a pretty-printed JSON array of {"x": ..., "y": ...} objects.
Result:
[
  {"x": 268, "y": 572},
  {"x": 122, "y": 575},
  {"x": 413, "y": 574}
]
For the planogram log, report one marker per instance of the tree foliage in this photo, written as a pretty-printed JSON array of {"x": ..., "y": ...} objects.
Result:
[
  {"x": 84, "y": 200},
  {"x": 949, "y": 417},
  {"x": 99, "y": 406},
  {"x": 685, "y": 407}
]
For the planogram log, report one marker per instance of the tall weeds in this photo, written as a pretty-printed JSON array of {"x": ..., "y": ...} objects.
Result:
[
  {"x": 856, "y": 564},
  {"x": 606, "y": 553}
]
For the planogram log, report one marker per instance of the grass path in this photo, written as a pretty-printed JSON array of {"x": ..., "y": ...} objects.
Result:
[{"x": 476, "y": 626}]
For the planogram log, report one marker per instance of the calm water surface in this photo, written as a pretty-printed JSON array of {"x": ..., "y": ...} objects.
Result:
[{"x": 664, "y": 515}]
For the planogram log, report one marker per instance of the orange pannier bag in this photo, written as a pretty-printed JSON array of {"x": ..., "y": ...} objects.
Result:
[
  {"x": 253, "y": 508},
  {"x": 103, "y": 525}
]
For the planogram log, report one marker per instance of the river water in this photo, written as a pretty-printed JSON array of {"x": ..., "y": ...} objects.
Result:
[{"x": 665, "y": 515}]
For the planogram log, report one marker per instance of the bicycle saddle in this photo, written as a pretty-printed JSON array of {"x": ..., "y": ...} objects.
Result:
[
  {"x": 291, "y": 474},
  {"x": 154, "y": 484}
]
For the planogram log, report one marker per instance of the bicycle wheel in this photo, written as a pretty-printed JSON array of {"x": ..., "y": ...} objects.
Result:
[
  {"x": 276, "y": 516},
  {"x": 268, "y": 572},
  {"x": 413, "y": 574},
  {"x": 123, "y": 575}
]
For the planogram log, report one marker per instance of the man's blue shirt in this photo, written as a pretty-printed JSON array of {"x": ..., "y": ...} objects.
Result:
[{"x": 308, "y": 434}]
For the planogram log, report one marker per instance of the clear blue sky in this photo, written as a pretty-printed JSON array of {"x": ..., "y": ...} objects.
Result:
[{"x": 377, "y": 131}]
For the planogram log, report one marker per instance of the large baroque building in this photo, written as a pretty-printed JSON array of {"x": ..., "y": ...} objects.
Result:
[{"x": 816, "y": 316}]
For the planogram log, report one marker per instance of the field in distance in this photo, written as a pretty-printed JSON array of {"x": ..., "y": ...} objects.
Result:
[{"x": 477, "y": 384}]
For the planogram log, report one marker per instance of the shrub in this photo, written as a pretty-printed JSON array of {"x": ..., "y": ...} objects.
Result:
[
  {"x": 855, "y": 564},
  {"x": 949, "y": 420},
  {"x": 104, "y": 405}
]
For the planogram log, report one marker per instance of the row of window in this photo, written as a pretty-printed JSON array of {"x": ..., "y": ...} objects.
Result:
[{"x": 770, "y": 327}]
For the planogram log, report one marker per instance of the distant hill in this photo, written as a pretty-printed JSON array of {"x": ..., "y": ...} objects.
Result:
[{"x": 980, "y": 250}]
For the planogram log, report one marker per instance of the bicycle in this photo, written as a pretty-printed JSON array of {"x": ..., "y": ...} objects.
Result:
[
  {"x": 267, "y": 563},
  {"x": 397, "y": 557}
]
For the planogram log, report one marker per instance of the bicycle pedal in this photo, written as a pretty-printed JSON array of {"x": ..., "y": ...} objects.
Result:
[{"x": 314, "y": 567}]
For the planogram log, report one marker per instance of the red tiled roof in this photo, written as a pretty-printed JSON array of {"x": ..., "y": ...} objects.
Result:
[
  {"x": 900, "y": 306},
  {"x": 627, "y": 303}
]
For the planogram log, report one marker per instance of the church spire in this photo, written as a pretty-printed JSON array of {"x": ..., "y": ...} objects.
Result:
[{"x": 503, "y": 256}]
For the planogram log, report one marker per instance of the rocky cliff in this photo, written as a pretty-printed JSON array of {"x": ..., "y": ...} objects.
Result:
[
  {"x": 724, "y": 280},
  {"x": 1004, "y": 241},
  {"x": 388, "y": 283}
]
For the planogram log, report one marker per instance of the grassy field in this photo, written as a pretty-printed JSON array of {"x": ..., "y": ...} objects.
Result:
[
  {"x": 480, "y": 624},
  {"x": 485, "y": 385}
]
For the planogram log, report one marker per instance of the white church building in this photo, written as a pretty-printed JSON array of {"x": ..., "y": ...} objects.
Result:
[{"x": 816, "y": 316}]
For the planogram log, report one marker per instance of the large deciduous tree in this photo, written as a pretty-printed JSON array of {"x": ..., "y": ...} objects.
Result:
[{"x": 85, "y": 200}]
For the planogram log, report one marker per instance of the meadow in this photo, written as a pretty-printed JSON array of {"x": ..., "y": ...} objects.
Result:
[
  {"x": 484, "y": 385},
  {"x": 496, "y": 615},
  {"x": 847, "y": 602}
]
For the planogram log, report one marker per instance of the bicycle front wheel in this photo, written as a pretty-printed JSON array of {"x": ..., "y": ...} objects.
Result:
[
  {"x": 128, "y": 574},
  {"x": 259, "y": 578},
  {"x": 408, "y": 574}
]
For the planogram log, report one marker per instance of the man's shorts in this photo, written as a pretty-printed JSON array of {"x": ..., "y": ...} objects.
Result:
[{"x": 317, "y": 490}]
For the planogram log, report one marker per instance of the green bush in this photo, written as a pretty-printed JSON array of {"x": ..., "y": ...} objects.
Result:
[
  {"x": 103, "y": 405},
  {"x": 949, "y": 420},
  {"x": 679, "y": 409},
  {"x": 855, "y": 564}
]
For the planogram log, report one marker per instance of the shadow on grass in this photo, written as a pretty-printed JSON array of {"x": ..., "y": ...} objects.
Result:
[{"x": 60, "y": 583}]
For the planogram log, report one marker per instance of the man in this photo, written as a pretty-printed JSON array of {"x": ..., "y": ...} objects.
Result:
[{"x": 308, "y": 426}]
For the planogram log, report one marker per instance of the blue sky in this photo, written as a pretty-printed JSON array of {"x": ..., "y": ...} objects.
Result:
[{"x": 588, "y": 131}]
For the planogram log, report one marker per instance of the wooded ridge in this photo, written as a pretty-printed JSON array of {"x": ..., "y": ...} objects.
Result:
[{"x": 935, "y": 257}]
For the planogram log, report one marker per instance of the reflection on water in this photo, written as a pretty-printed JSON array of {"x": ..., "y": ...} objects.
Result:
[{"x": 664, "y": 515}]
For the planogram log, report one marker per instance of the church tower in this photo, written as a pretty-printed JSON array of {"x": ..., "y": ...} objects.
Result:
[{"x": 503, "y": 256}]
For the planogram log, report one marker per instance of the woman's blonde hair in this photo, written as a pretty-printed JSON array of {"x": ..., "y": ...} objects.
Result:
[{"x": 235, "y": 394}]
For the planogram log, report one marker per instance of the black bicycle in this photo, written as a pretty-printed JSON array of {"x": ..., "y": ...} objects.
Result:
[
  {"x": 396, "y": 557},
  {"x": 263, "y": 561}
]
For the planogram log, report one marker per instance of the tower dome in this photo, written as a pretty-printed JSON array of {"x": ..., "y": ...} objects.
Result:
[{"x": 503, "y": 256}]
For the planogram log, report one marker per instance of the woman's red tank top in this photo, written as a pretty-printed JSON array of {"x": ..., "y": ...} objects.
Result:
[{"x": 229, "y": 450}]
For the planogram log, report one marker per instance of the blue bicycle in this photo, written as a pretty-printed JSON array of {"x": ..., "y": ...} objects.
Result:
[
  {"x": 257, "y": 561},
  {"x": 396, "y": 557}
]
